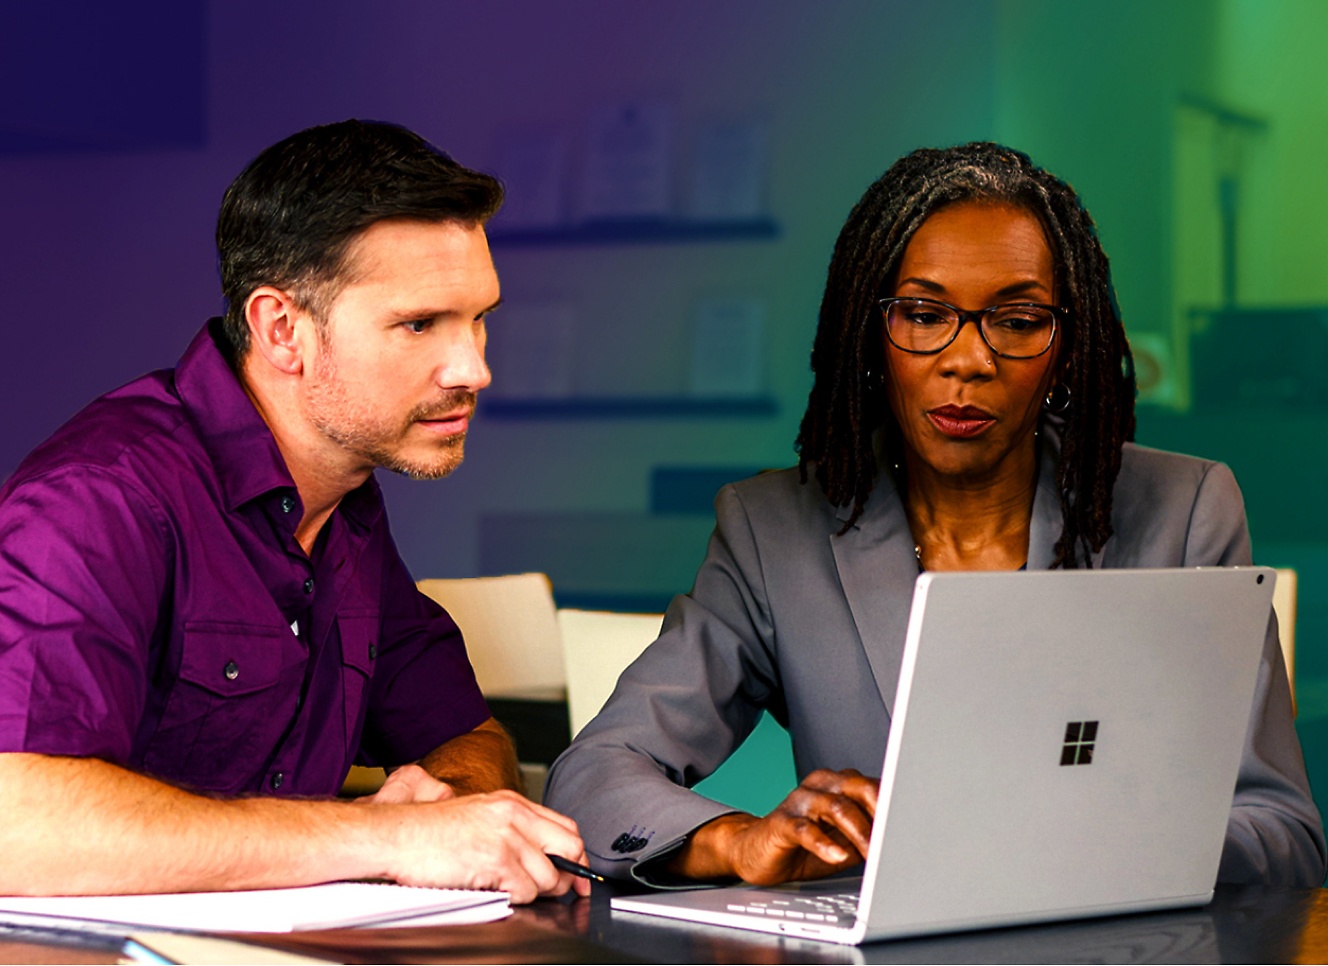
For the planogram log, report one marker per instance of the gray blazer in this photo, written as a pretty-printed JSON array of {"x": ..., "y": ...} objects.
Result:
[{"x": 787, "y": 616}]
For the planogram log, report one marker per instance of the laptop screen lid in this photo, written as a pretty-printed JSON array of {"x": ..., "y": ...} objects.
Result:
[{"x": 1064, "y": 744}]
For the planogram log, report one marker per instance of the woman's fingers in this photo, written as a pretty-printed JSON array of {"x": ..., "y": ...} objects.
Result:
[{"x": 844, "y": 801}]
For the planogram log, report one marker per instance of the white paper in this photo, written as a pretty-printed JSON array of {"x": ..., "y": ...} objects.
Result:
[
  {"x": 728, "y": 176},
  {"x": 728, "y": 348},
  {"x": 333, "y": 905},
  {"x": 628, "y": 171},
  {"x": 531, "y": 351},
  {"x": 533, "y": 169}
]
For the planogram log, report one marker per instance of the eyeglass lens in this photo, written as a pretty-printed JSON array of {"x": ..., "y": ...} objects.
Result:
[{"x": 1019, "y": 330}]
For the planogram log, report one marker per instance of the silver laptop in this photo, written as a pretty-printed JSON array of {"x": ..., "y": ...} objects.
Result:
[{"x": 1064, "y": 744}]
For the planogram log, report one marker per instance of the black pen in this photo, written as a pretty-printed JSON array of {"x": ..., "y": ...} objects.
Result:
[{"x": 575, "y": 868}]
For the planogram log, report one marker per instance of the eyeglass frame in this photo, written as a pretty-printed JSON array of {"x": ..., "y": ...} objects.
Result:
[{"x": 1059, "y": 316}]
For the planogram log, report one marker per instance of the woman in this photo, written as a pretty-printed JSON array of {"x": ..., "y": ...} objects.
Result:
[{"x": 928, "y": 443}]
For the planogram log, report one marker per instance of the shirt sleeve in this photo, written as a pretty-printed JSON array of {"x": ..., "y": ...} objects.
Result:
[
  {"x": 1275, "y": 835},
  {"x": 424, "y": 692},
  {"x": 676, "y": 714},
  {"x": 84, "y": 562}
]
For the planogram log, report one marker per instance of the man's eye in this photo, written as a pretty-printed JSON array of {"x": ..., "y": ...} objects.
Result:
[{"x": 418, "y": 326}]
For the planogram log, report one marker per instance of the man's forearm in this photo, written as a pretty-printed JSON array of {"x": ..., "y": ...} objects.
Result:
[
  {"x": 483, "y": 760},
  {"x": 71, "y": 826},
  {"x": 81, "y": 825}
]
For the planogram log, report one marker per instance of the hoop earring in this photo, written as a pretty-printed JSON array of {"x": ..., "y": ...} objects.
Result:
[{"x": 1058, "y": 399}]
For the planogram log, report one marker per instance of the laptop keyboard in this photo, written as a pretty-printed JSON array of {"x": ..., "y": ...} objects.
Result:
[{"x": 834, "y": 909}]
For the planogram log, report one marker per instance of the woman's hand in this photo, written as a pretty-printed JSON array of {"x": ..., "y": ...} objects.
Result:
[{"x": 822, "y": 827}]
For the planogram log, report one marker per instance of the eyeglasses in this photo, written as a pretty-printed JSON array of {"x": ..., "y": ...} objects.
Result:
[{"x": 1018, "y": 330}]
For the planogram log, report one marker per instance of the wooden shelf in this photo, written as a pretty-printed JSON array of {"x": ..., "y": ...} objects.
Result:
[
  {"x": 631, "y": 407},
  {"x": 636, "y": 233}
]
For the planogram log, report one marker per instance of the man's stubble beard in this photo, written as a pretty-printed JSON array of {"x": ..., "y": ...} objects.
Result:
[{"x": 351, "y": 426}]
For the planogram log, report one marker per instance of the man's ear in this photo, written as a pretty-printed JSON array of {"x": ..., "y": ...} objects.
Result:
[{"x": 279, "y": 330}]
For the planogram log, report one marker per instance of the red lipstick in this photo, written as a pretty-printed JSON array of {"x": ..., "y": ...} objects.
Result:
[{"x": 960, "y": 422}]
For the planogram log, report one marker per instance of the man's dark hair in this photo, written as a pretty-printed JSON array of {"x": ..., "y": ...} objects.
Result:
[
  {"x": 290, "y": 217},
  {"x": 847, "y": 405}
]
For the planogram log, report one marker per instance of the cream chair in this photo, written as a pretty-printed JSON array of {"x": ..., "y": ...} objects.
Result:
[
  {"x": 597, "y": 647},
  {"x": 1284, "y": 605},
  {"x": 514, "y": 646},
  {"x": 511, "y": 631}
]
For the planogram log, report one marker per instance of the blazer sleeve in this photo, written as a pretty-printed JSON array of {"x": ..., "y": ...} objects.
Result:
[
  {"x": 677, "y": 713},
  {"x": 1275, "y": 835}
]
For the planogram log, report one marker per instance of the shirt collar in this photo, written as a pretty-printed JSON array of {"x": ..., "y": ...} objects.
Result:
[
  {"x": 244, "y": 455},
  {"x": 363, "y": 505}
]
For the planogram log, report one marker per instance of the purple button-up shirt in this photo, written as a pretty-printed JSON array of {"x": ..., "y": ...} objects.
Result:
[{"x": 156, "y": 610}]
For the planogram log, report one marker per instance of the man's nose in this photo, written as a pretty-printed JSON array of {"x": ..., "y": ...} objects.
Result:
[{"x": 463, "y": 365}]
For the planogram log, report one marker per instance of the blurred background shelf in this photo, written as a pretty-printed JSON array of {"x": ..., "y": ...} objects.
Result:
[
  {"x": 636, "y": 233},
  {"x": 632, "y": 407}
]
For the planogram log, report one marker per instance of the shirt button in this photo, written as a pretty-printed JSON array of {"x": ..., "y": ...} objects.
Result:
[
  {"x": 287, "y": 503},
  {"x": 277, "y": 780},
  {"x": 373, "y": 651},
  {"x": 309, "y": 586},
  {"x": 232, "y": 670}
]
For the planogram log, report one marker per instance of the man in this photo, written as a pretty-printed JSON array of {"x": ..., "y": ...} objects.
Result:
[{"x": 203, "y": 618}]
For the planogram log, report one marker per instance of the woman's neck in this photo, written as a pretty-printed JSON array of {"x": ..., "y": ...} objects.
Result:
[{"x": 962, "y": 524}]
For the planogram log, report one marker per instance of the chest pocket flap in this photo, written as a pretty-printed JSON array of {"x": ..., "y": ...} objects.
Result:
[
  {"x": 231, "y": 660},
  {"x": 359, "y": 641}
]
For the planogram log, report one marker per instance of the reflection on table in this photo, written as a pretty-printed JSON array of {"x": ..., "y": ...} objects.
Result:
[{"x": 1241, "y": 925}]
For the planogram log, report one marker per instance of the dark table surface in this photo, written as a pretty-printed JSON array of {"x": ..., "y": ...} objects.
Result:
[{"x": 1240, "y": 926}]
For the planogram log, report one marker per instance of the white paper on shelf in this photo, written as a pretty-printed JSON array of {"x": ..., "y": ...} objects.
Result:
[
  {"x": 531, "y": 351},
  {"x": 333, "y": 905},
  {"x": 533, "y": 169},
  {"x": 728, "y": 174},
  {"x": 728, "y": 348},
  {"x": 629, "y": 163}
]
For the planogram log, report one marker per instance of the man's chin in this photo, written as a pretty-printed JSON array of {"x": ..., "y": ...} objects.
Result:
[
  {"x": 424, "y": 472},
  {"x": 424, "y": 469}
]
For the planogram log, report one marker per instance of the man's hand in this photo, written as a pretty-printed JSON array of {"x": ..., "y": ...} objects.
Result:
[
  {"x": 498, "y": 840},
  {"x": 409, "y": 783},
  {"x": 822, "y": 827},
  {"x": 494, "y": 841}
]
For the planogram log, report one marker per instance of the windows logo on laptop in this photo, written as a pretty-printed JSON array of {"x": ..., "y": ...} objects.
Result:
[{"x": 1080, "y": 736}]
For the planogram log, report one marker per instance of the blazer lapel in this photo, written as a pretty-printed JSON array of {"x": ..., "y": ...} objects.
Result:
[{"x": 877, "y": 569}]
